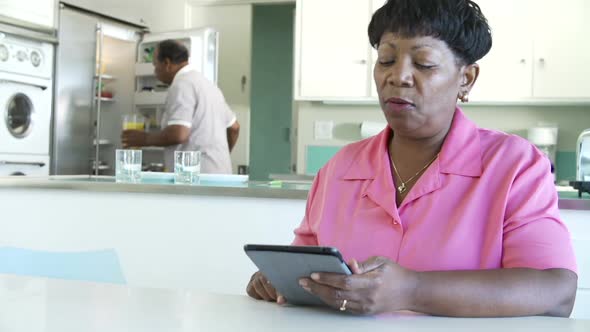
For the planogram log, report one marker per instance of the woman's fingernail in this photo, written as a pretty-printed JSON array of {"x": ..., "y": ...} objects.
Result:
[
  {"x": 315, "y": 276},
  {"x": 304, "y": 284}
]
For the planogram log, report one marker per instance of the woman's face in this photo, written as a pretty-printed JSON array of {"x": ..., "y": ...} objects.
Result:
[{"x": 418, "y": 81}]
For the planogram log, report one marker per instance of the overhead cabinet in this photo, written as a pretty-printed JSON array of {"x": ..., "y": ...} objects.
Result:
[
  {"x": 538, "y": 51},
  {"x": 333, "y": 49},
  {"x": 38, "y": 13}
]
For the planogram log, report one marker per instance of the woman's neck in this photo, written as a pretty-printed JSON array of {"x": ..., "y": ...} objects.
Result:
[{"x": 413, "y": 149}]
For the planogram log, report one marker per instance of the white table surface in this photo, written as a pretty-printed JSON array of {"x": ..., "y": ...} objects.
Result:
[{"x": 50, "y": 305}]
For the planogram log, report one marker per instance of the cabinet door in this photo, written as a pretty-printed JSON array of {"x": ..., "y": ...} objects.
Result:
[
  {"x": 334, "y": 48},
  {"x": 39, "y": 12},
  {"x": 506, "y": 71},
  {"x": 376, "y": 4},
  {"x": 561, "y": 49}
]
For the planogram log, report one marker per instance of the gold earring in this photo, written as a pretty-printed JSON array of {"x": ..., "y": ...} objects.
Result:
[{"x": 464, "y": 98}]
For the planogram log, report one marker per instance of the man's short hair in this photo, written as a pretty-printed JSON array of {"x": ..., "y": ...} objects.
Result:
[{"x": 173, "y": 50}]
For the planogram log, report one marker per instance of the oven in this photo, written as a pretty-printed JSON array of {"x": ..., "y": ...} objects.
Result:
[{"x": 26, "y": 99}]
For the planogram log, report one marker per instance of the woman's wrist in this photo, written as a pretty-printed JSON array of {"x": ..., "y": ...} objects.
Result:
[{"x": 410, "y": 290}]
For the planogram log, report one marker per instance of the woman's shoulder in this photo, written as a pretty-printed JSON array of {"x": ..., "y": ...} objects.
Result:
[
  {"x": 361, "y": 154},
  {"x": 505, "y": 145}
]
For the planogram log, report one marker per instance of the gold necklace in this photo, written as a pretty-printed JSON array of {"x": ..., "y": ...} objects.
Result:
[{"x": 402, "y": 187}]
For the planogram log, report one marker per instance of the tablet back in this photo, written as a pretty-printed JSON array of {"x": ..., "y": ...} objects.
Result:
[{"x": 284, "y": 269}]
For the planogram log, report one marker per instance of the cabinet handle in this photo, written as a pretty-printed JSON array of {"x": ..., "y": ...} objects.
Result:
[
  {"x": 243, "y": 82},
  {"x": 542, "y": 61},
  {"x": 360, "y": 62},
  {"x": 523, "y": 61},
  {"x": 4, "y": 162}
]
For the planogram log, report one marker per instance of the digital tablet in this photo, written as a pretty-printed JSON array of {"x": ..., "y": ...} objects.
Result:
[{"x": 285, "y": 265}]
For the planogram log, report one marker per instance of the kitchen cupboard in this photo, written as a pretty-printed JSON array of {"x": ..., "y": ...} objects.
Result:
[
  {"x": 561, "y": 48},
  {"x": 537, "y": 54},
  {"x": 332, "y": 48},
  {"x": 376, "y": 4},
  {"x": 506, "y": 72},
  {"x": 39, "y": 13}
]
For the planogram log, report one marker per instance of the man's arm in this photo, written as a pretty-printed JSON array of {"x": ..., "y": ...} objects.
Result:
[
  {"x": 233, "y": 132},
  {"x": 171, "y": 135}
]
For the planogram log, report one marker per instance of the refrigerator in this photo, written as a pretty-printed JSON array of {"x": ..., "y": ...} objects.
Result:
[{"x": 103, "y": 72}]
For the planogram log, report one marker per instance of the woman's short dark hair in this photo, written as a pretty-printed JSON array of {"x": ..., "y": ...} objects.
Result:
[
  {"x": 459, "y": 23},
  {"x": 172, "y": 50}
]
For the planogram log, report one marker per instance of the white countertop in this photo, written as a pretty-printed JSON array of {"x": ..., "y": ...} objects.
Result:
[
  {"x": 50, "y": 305},
  {"x": 161, "y": 185}
]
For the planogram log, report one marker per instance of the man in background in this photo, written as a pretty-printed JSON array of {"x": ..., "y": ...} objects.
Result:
[{"x": 196, "y": 116}]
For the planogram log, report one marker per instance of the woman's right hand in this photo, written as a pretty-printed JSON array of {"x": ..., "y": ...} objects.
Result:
[{"x": 260, "y": 288}]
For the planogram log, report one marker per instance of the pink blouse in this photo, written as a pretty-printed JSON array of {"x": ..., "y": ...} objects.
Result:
[{"x": 487, "y": 202}]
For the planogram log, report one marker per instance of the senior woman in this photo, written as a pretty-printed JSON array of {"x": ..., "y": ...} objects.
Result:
[{"x": 434, "y": 214}]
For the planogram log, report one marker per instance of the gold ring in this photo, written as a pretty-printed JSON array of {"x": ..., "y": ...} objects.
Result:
[{"x": 343, "y": 306}]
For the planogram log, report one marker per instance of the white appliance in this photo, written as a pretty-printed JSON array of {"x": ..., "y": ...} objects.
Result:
[
  {"x": 26, "y": 92},
  {"x": 545, "y": 138},
  {"x": 32, "y": 14},
  {"x": 104, "y": 71}
]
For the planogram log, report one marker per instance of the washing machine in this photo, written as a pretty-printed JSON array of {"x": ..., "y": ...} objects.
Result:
[{"x": 26, "y": 92}]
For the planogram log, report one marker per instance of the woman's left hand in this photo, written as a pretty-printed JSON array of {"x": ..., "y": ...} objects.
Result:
[{"x": 376, "y": 286}]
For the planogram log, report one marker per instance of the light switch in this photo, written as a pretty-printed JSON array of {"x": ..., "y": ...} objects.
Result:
[{"x": 323, "y": 130}]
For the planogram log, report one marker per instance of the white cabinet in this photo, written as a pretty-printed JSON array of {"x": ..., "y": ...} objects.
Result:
[
  {"x": 578, "y": 223},
  {"x": 333, "y": 49},
  {"x": 582, "y": 305},
  {"x": 561, "y": 49},
  {"x": 537, "y": 53},
  {"x": 582, "y": 250},
  {"x": 37, "y": 12},
  {"x": 376, "y": 4},
  {"x": 506, "y": 72}
]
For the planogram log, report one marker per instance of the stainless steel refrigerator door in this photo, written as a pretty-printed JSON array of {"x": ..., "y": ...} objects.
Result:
[{"x": 74, "y": 89}]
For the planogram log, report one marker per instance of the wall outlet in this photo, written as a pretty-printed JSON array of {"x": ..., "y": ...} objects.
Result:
[{"x": 323, "y": 130}]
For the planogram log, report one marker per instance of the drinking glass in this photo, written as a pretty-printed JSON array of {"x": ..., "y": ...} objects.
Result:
[
  {"x": 187, "y": 167},
  {"x": 133, "y": 122},
  {"x": 128, "y": 166}
]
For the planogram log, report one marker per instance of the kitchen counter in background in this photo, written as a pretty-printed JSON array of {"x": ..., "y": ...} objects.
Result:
[
  {"x": 250, "y": 189},
  {"x": 283, "y": 186},
  {"x": 185, "y": 237}
]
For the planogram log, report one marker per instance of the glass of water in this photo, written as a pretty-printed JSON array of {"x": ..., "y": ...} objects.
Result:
[
  {"x": 128, "y": 166},
  {"x": 187, "y": 166}
]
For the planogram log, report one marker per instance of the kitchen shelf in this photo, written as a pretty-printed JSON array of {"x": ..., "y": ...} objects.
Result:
[
  {"x": 144, "y": 69},
  {"x": 102, "y": 142},
  {"x": 107, "y": 99},
  {"x": 144, "y": 98},
  {"x": 152, "y": 148},
  {"x": 105, "y": 77},
  {"x": 101, "y": 167}
]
